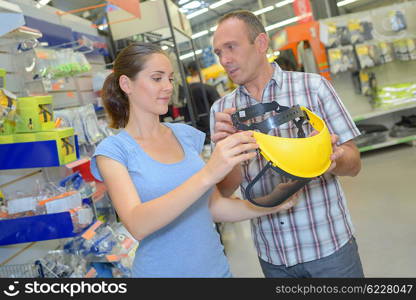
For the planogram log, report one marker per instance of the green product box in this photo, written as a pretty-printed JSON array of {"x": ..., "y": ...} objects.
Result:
[
  {"x": 34, "y": 114},
  {"x": 65, "y": 142},
  {"x": 6, "y": 139},
  {"x": 24, "y": 137},
  {"x": 2, "y": 78}
]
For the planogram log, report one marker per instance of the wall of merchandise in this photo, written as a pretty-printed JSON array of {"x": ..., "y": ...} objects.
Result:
[
  {"x": 372, "y": 58},
  {"x": 55, "y": 220}
]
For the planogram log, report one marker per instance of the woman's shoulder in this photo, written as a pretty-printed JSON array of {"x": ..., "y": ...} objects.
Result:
[{"x": 118, "y": 140}]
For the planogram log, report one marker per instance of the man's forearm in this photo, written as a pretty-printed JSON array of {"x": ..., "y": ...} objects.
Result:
[{"x": 231, "y": 182}]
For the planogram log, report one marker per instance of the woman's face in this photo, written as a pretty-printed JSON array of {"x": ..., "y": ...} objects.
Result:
[{"x": 153, "y": 86}]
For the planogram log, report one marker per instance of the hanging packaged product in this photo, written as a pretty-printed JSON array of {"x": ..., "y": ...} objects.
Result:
[
  {"x": 397, "y": 20},
  {"x": 54, "y": 64},
  {"x": 2, "y": 78},
  {"x": 401, "y": 49},
  {"x": 356, "y": 31},
  {"x": 364, "y": 83},
  {"x": 411, "y": 48},
  {"x": 342, "y": 59},
  {"x": 34, "y": 114},
  {"x": 8, "y": 116},
  {"x": 386, "y": 52},
  {"x": 368, "y": 55},
  {"x": 90, "y": 124},
  {"x": 333, "y": 39}
]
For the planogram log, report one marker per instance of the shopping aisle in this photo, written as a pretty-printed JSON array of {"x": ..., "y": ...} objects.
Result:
[{"x": 382, "y": 202}]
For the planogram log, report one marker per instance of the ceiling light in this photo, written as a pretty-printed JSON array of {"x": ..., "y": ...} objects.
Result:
[
  {"x": 190, "y": 54},
  {"x": 197, "y": 13},
  {"x": 219, "y": 3},
  {"x": 191, "y": 5},
  {"x": 283, "y": 23},
  {"x": 263, "y": 10},
  {"x": 199, "y": 34},
  {"x": 283, "y": 3},
  {"x": 345, "y": 2},
  {"x": 183, "y": 1},
  {"x": 41, "y": 3},
  {"x": 213, "y": 28}
]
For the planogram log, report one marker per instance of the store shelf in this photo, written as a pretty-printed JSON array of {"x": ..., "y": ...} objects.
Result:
[
  {"x": 381, "y": 112},
  {"x": 41, "y": 154},
  {"x": 389, "y": 142},
  {"x": 37, "y": 228}
]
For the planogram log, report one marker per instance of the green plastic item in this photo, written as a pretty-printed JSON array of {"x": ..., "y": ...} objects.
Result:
[
  {"x": 2, "y": 78},
  {"x": 6, "y": 139},
  {"x": 34, "y": 114},
  {"x": 24, "y": 137}
]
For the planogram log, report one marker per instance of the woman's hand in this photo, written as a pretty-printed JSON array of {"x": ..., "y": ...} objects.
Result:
[
  {"x": 229, "y": 152},
  {"x": 223, "y": 125},
  {"x": 289, "y": 202}
]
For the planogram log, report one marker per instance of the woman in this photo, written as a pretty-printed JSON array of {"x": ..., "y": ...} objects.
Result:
[{"x": 161, "y": 189}]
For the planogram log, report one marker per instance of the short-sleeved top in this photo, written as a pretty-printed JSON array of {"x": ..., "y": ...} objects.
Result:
[
  {"x": 320, "y": 223},
  {"x": 189, "y": 246}
]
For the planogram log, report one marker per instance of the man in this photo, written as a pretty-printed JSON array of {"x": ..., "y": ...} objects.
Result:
[
  {"x": 197, "y": 90},
  {"x": 314, "y": 238}
]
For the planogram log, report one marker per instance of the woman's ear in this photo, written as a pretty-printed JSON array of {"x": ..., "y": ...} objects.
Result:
[{"x": 125, "y": 84}]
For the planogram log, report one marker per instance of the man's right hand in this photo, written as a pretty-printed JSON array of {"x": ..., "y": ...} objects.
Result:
[{"x": 223, "y": 125}]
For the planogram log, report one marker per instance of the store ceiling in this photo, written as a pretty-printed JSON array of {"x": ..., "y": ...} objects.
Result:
[{"x": 208, "y": 18}]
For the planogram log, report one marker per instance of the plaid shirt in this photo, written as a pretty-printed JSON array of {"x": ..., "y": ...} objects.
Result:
[{"x": 320, "y": 223}]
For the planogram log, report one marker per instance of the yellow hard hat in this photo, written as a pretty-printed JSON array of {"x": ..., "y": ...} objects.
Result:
[{"x": 299, "y": 159}]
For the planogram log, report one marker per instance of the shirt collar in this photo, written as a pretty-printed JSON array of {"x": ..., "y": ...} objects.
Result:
[{"x": 277, "y": 77}]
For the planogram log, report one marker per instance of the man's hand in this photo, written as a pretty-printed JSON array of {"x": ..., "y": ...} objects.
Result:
[
  {"x": 223, "y": 125},
  {"x": 337, "y": 152}
]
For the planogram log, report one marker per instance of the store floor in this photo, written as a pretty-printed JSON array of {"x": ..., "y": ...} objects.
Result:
[{"x": 382, "y": 202}]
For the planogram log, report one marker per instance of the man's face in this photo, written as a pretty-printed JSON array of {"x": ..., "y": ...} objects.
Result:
[{"x": 236, "y": 53}]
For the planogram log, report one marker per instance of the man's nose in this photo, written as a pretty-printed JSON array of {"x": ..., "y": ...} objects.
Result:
[{"x": 225, "y": 60}]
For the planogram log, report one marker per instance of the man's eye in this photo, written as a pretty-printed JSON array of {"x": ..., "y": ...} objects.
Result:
[{"x": 171, "y": 80}]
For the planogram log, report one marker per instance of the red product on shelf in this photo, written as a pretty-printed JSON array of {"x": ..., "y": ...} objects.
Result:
[{"x": 83, "y": 167}]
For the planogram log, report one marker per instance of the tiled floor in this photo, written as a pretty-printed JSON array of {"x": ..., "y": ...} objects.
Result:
[{"x": 382, "y": 202}]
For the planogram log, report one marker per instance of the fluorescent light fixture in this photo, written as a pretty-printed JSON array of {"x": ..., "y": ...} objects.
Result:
[
  {"x": 213, "y": 28},
  {"x": 284, "y": 23},
  {"x": 164, "y": 48},
  {"x": 283, "y": 3},
  {"x": 219, "y": 3},
  {"x": 197, "y": 13},
  {"x": 41, "y": 3},
  {"x": 263, "y": 10},
  {"x": 190, "y": 54},
  {"x": 183, "y": 1},
  {"x": 345, "y": 2},
  {"x": 199, "y": 34},
  {"x": 191, "y": 5}
]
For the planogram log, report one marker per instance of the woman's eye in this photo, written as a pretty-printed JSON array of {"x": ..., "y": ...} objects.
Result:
[
  {"x": 171, "y": 80},
  {"x": 157, "y": 78}
]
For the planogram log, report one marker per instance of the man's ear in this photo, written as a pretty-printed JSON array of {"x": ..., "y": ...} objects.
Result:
[
  {"x": 125, "y": 84},
  {"x": 262, "y": 41}
]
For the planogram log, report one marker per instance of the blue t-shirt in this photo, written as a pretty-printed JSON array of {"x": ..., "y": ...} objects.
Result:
[{"x": 189, "y": 246}]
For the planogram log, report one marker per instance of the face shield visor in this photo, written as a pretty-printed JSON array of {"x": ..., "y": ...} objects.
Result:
[{"x": 299, "y": 159}]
